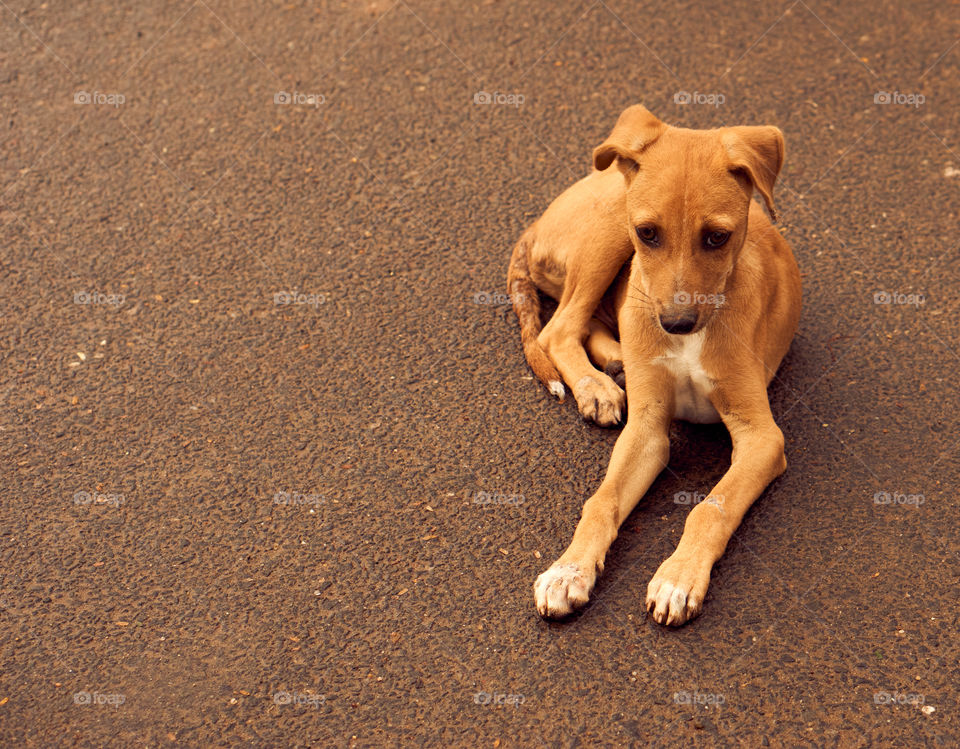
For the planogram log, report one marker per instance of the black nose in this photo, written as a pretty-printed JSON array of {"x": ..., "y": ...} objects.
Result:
[{"x": 679, "y": 324}]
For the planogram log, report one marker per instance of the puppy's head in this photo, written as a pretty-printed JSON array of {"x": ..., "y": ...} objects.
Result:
[{"x": 688, "y": 196}]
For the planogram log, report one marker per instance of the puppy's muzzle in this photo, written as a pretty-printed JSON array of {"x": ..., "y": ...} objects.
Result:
[{"x": 679, "y": 321}]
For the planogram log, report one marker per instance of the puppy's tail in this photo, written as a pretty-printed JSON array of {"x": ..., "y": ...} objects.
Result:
[{"x": 526, "y": 303}]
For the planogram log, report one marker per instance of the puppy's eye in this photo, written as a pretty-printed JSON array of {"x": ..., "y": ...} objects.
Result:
[
  {"x": 715, "y": 239},
  {"x": 648, "y": 235}
]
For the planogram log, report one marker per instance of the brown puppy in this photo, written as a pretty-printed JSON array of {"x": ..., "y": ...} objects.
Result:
[{"x": 662, "y": 248}]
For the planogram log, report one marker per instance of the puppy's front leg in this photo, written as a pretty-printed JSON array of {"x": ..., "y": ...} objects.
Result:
[
  {"x": 641, "y": 452},
  {"x": 676, "y": 592}
]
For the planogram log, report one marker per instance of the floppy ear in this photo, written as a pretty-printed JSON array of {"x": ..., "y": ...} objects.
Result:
[
  {"x": 636, "y": 129},
  {"x": 757, "y": 152}
]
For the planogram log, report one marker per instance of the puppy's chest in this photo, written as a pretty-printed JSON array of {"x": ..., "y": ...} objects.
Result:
[{"x": 691, "y": 384}]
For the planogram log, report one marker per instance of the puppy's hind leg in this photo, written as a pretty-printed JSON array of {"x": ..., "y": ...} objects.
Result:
[
  {"x": 556, "y": 353},
  {"x": 605, "y": 351},
  {"x": 567, "y": 337},
  {"x": 599, "y": 397}
]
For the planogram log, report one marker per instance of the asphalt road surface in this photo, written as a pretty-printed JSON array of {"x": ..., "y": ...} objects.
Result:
[{"x": 256, "y": 374}]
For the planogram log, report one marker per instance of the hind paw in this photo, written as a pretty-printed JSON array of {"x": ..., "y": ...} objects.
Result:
[
  {"x": 614, "y": 370},
  {"x": 600, "y": 399}
]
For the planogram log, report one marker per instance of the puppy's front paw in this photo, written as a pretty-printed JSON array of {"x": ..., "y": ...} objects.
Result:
[
  {"x": 676, "y": 592},
  {"x": 562, "y": 589},
  {"x": 600, "y": 399}
]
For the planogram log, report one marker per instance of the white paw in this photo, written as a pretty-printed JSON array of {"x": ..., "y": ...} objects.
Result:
[
  {"x": 600, "y": 399},
  {"x": 562, "y": 589},
  {"x": 676, "y": 592}
]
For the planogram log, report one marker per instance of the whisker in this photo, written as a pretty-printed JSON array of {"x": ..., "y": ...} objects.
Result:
[
  {"x": 641, "y": 303},
  {"x": 640, "y": 291}
]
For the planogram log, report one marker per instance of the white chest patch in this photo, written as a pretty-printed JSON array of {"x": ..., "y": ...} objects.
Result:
[{"x": 691, "y": 383}]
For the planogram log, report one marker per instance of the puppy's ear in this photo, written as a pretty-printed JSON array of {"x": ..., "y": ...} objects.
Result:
[
  {"x": 756, "y": 152},
  {"x": 636, "y": 129}
]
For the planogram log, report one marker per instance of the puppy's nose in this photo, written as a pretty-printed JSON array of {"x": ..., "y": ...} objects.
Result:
[{"x": 678, "y": 322}]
